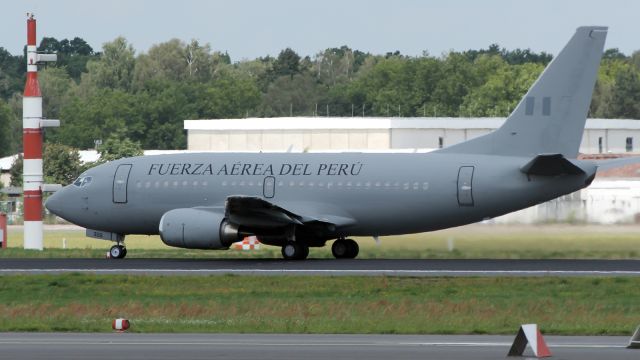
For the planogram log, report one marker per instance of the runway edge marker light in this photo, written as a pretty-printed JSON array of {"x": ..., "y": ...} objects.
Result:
[
  {"x": 634, "y": 343},
  {"x": 32, "y": 125},
  {"x": 529, "y": 334},
  {"x": 121, "y": 325}
]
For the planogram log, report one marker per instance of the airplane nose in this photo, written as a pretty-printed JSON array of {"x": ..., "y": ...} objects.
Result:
[{"x": 54, "y": 203}]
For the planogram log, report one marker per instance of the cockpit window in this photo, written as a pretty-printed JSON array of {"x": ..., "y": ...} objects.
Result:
[{"x": 83, "y": 181}]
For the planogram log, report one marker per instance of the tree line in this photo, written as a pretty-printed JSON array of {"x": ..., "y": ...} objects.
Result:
[{"x": 144, "y": 97}]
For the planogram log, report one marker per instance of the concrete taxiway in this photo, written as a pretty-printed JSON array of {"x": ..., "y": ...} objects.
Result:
[
  {"x": 330, "y": 267},
  {"x": 284, "y": 346}
]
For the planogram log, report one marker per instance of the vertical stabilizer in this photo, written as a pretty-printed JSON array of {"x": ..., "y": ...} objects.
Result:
[{"x": 550, "y": 117}]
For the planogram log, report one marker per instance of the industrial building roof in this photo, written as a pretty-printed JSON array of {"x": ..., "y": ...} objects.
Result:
[{"x": 344, "y": 123}]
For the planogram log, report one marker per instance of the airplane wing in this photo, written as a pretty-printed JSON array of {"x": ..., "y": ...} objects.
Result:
[{"x": 257, "y": 212}]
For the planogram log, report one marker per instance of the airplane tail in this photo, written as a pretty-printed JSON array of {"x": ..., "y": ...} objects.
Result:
[{"x": 550, "y": 117}]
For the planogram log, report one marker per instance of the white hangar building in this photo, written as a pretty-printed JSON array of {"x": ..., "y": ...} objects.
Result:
[{"x": 380, "y": 134}]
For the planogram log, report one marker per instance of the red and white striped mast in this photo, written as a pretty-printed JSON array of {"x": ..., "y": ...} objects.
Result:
[{"x": 32, "y": 124}]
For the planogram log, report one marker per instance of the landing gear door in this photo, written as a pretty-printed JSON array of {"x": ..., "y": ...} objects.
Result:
[
  {"x": 465, "y": 186},
  {"x": 120, "y": 183}
]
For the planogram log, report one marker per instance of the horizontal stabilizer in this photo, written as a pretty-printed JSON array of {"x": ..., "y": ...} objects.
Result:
[{"x": 551, "y": 165}]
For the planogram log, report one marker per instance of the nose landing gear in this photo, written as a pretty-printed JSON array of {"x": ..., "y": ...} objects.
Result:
[{"x": 118, "y": 251}]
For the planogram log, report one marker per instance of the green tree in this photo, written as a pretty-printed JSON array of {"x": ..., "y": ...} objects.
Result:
[
  {"x": 11, "y": 74},
  {"x": 178, "y": 62},
  {"x": 613, "y": 54},
  {"x": 117, "y": 146},
  {"x": 73, "y": 55},
  {"x": 164, "y": 61},
  {"x": 338, "y": 65},
  {"x": 457, "y": 81},
  {"x": 49, "y": 44},
  {"x": 393, "y": 86},
  {"x": 55, "y": 84},
  {"x": 61, "y": 164},
  {"x": 635, "y": 59},
  {"x": 167, "y": 105},
  {"x": 231, "y": 95},
  {"x": 602, "y": 93},
  {"x": 8, "y": 123},
  {"x": 287, "y": 63},
  {"x": 257, "y": 70},
  {"x": 97, "y": 116},
  {"x": 625, "y": 95},
  {"x": 500, "y": 94},
  {"x": 16, "y": 171},
  {"x": 286, "y": 95},
  {"x": 114, "y": 69},
  {"x": 78, "y": 46}
]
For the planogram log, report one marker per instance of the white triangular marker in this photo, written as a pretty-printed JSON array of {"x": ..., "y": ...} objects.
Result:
[
  {"x": 530, "y": 334},
  {"x": 634, "y": 343},
  {"x": 530, "y": 331}
]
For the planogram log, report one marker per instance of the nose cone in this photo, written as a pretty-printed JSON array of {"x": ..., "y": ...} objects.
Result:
[{"x": 55, "y": 203}]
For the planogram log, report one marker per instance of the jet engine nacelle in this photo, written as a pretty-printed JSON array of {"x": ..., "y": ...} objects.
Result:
[{"x": 197, "y": 229}]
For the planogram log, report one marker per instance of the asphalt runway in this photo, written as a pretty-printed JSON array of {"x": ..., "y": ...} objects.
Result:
[
  {"x": 284, "y": 346},
  {"x": 328, "y": 267}
]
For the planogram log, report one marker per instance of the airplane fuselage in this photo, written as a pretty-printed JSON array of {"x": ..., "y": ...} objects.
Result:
[{"x": 385, "y": 194}]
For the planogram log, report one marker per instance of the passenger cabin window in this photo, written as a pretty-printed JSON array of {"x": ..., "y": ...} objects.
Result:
[{"x": 629, "y": 144}]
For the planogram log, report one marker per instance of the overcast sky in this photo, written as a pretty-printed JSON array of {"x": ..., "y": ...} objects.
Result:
[{"x": 248, "y": 29}]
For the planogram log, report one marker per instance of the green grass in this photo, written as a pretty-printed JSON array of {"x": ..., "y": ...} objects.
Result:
[
  {"x": 298, "y": 304},
  {"x": 474, "y": 241}
]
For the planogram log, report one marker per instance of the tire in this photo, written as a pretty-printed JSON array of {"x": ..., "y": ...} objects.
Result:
[
  {"x": 305, "y": 252},
  {"x": 116, "y": 252},
  {"x": 340, "y": 249},
  {"x": 353, "y": 249},
  {"x": 295, "y": 251}
]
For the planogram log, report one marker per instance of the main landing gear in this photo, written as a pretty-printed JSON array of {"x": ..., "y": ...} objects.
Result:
[
  {"x": 345, "y": 249},
  {"x": 341, "y": 249},
  {"x": 118, "y": 251},
  {"x": 295, "y": 250}
]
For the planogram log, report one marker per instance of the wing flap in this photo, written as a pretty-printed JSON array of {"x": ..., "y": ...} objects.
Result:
[
  {"x": 254, "y": 211},
  {"x": 257, "y": 212}
]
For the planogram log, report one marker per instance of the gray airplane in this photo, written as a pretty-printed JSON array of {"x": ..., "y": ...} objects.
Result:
[{"x": 302, "y": 200}]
